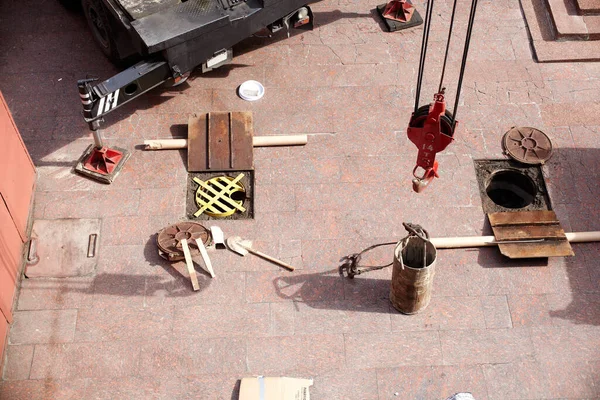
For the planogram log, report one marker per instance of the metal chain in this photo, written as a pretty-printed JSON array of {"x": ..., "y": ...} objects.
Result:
[{"x": 350, "y": 264}]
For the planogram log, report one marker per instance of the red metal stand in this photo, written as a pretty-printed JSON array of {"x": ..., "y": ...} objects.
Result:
[
  {"x": 100, "y": 162},
  {"x": 398, "y": 10},
  {"x": 103, "y": 160}
]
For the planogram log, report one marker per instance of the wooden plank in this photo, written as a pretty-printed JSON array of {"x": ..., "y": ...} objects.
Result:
[
  {"x": 522, "y": 217},
  {"x": 190, "y": 264},
  {"x": 521, "y": 232},
  {"x": 550, "y": 248},
  {"x": 197, "y": 143},
  {"x": 205, "y": 258},
  {"x": 530, "y": 225},
  {"x": 220, "y": 141},
  {"x": 219, "y": 150},
  {"x": 242, "y": 149}
]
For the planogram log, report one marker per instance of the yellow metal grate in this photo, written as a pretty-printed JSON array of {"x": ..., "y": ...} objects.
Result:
[{"x": 214, "y": 197}]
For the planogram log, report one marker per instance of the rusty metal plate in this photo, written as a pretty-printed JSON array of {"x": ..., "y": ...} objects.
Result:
[
  {"x": 62, "y": 248},
  {"x": 169, "y": 239},
  {"x": 220, "y": 141},
  {"x": 539, "y": 232},
  {"x": 527, "y": 145}
]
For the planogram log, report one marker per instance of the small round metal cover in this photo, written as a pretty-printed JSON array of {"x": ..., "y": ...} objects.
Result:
[
  {"x": 169, "y": 239},
  {"x": 527, "y": 145}
]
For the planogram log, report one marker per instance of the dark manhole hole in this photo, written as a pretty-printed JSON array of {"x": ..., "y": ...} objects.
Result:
[
  {"x": 507, "y": 185},
  {"x": 511, "y": 189}
]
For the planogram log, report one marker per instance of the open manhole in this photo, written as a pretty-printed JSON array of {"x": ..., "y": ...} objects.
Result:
[
  {"x": 506, "y": 185},
  {"x": 511, "y": 189}
]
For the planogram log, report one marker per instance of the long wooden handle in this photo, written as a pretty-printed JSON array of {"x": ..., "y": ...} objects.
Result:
[
  {"x": 480, "y": 241},
  {"x": 165, "y": 144},
  {"x": 279, "y": 140},
  {"x": 205, "y": 257},
  {"x": 273, "y": 260},
  {"x": 257, "y": 141},
  {"x": 190, "y": 264}
]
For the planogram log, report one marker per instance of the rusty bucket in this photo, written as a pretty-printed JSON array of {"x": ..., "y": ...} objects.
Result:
[{"x": 413, "y": 271}]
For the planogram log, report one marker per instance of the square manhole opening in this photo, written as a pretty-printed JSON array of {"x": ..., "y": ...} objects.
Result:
[
  {"x": 507, "y": 185},
  {"x": 220, "y": 195}
]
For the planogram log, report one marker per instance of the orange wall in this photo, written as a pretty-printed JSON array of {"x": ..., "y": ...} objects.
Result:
[{"x": 17, "y": 180}]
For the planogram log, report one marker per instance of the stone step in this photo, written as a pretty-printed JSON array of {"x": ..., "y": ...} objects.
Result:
[
  {"x": 588, "y": 7},
  {"x": 569, "y": 24}
]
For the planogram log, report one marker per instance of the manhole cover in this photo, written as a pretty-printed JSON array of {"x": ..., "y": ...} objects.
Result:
[
  {"x": 65, "y": 248},
  {"x": 169, "y": 239},
  {"x": 527, "y": 145}
]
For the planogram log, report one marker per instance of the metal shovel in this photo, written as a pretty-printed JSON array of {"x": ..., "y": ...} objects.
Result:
[{"x": 236, "y": 245}]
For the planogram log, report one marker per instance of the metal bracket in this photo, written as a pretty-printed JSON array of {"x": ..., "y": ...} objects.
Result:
[{"x": 105, "y": 97}]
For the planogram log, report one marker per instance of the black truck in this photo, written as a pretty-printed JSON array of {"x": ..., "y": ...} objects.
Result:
[{"x": 172, "y": 38}]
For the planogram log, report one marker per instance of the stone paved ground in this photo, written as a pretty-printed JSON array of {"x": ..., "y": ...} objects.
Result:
[{"x": 135, "y": 330}]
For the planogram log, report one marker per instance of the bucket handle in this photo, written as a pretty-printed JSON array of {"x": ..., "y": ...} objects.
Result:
[{"x": 414, "y": 230}]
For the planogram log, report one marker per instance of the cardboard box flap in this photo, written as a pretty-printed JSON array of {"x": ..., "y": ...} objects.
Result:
[{"x": 275, "y": 388}]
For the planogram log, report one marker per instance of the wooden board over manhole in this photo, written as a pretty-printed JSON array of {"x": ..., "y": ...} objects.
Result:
[
  {"x": 220, "y": 141},
  {"x": 535, "y": 233}
]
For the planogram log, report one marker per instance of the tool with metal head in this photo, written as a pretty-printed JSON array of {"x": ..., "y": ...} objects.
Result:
[{"x": 241, "y": 247}]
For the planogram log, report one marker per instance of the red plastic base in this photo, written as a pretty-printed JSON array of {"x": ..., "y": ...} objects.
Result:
[{"x": 103, "y": 161}]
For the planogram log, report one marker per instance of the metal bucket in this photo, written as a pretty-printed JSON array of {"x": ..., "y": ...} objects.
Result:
[{"x": 412, "y": 276}]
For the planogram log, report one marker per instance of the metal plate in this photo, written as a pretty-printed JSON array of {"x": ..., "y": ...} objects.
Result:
[
  {"x": 539, "y": 234},
  {"x": 169, "y": 239},
  {"x": 62, "y": 247},
  {"x": 527, "y": 145}
]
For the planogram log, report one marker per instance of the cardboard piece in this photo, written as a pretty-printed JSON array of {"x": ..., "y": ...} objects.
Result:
[{"x": 275, "y": 388}]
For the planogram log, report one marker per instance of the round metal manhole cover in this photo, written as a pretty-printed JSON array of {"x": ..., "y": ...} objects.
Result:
[
  {"x": 169, "y": 239},
  {"x": 527, "y": 145}
]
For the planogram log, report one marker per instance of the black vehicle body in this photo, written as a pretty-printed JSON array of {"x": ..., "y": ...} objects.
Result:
[{"x": 172, "y": 38}]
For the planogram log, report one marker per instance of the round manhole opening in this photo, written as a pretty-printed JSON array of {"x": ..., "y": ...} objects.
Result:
[{"x": 511, "y": 189}]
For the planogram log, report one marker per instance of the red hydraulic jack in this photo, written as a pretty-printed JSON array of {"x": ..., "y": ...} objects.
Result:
[
  {"x": 98, "y": 161},
  {"x": 431, "y": 127}
]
